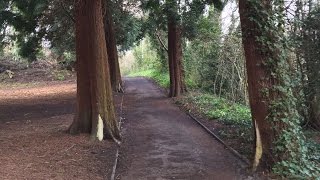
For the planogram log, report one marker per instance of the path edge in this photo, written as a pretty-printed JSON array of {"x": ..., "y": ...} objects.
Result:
[{"x": 233, "y": 151}]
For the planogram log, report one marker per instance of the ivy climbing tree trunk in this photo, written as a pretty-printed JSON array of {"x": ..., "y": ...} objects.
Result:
[
  {"x": 115, "y": 75},
  {"x": 258, "y": 79},
  {"x": 279, "y": 141},
  {"x": 95, "y": 109},
  {"x": 176, "y": 71}
]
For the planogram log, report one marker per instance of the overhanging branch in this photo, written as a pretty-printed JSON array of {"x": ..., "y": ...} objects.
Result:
[{"x": 161, "y": 42}]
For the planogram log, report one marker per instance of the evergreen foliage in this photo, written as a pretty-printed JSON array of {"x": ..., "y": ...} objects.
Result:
[
  {"x": 53, "y": 21},
  {"x": 213, "y": 60},
  {"x": 25, "y": 17},
  {"x": 290, "y": 153}
]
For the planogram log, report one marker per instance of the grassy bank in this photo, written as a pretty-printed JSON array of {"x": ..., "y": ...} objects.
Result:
[{"x": 232, "y": 119}]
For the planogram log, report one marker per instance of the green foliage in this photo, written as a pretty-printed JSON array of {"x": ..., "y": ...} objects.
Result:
[
  {"x": 24, "y": 16},
  {"x": 162, "y": 79},
  {"x": 313, "y": 145},
  {"x": 222, "y": 109},
  {"x": 68, "y": 61},
  {"x": 38, "y": 20},
  {"x": 128, "y": 27},
  {"x": 60, "y": 27},
  {"x": 146, "y": 57},
  {"x": 202, "y": 53},
  {"x": 148, "y": 64},
  {"x": 185, "y": 14},
  {"x": 290, "y": 152},
  {"x": 215, "y": 61},
  {"x": 307, "y": 45},
  {"x": 232, "y": 121},
  {"x": 311, "y": 49},
  {"x": 212, "y": 62}
]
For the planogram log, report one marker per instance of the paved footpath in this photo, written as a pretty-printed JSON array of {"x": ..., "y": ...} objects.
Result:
[{"x": 161, "y": 142}]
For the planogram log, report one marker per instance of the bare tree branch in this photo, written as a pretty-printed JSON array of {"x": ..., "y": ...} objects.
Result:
[{"x": 161, "y": 42}]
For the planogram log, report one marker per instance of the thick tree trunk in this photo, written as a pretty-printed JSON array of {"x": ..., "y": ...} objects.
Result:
[
  {"x": 258, "y": 80},
  {"x": 177, "y": 84},
  {"x": 113, "y": 60},
  {"x": 95, "y": 110}
]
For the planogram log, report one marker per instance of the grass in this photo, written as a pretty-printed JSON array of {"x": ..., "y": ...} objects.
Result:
[
  {"x": 213, "y": 107},
  {"x": 161, "y": 78},
  {"x": 236, "y": 117}
]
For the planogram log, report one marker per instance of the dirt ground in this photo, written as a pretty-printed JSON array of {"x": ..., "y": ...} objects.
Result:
[
  {"x": 161, "y": 142},
  {"x": 33, "y": 139}
]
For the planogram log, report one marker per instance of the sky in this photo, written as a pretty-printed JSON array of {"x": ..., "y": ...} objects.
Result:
[{"x": 230, "y": 8}]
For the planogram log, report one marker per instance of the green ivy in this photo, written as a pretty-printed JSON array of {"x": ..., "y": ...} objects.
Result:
[{"x": 291, "y": 152}]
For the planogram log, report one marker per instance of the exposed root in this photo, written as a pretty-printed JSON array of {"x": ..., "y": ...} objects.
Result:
[
  {"x": 120, "y": 88},
  {"x": 100, "y": 128},
  {"x": 258, "y": 153}
]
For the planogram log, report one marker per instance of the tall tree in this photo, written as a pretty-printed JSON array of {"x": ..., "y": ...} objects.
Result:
[
  {"x": 178, "y": 19},
  {"x": 176, "y": 71},
  {"x": 113, "y": 60},
  {"x": 257, "y": 80},
  {"x": 279, "y": 140},
  {"x": 95, "y": 109}
]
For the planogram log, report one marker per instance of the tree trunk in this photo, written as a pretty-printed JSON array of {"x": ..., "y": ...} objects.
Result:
[
  {"x": 315, "y": 111},
  {"x": 258, "y": 80},
  {"x": 310, "y": 51},
  {"x": 113, "y": 60},
  {"x": 312, "y": 88},
  {"x": 95, "y": 109},
  {"x": 177, "y": 85}
]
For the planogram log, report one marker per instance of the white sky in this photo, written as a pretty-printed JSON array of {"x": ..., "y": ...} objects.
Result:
[{"x": 230, "y": 8}]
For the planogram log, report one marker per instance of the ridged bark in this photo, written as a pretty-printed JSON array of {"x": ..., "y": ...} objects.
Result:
[
  {"x": 176, "y": 71},
  {"x": 95, "y": 109},
  {"x": 115, "y": 75},
  {"x": 258, "y": 80}
]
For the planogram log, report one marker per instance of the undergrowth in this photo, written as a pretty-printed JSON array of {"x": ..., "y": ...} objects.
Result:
[
  {"x": 232, "y": 120},
  {"x": 221, "y": 109},
  {"x": 235, "y": 117}
]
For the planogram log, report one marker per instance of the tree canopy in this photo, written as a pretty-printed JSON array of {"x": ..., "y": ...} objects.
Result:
[{"x": 262, "y": 73}]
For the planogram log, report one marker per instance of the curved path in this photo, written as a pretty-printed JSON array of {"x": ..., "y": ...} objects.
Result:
[{"x": 161, "y": 142}]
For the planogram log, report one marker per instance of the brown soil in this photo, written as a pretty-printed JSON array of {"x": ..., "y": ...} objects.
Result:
[
  {"x": 161, "y": 142},
  {"x": 33, "y": 138}
]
